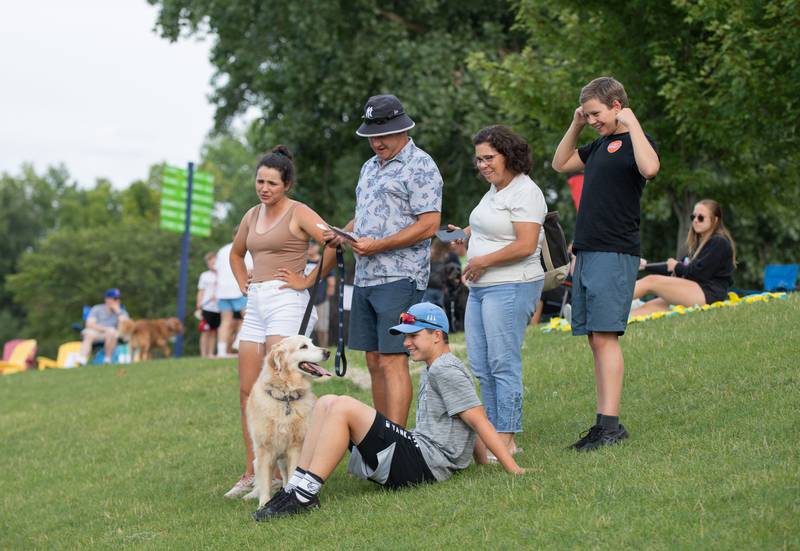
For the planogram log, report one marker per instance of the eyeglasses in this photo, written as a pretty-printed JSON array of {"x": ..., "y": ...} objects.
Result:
[
  {"x": 411, "y": 319},
  {"x": 486, "y": 159},
  {"x": 700, "y": 217}
]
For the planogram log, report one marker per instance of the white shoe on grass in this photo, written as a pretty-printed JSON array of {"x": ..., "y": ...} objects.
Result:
[{"x": 242, "y": 487}]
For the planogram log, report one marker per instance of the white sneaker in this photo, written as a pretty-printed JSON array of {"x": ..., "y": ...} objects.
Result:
[{"x": 242, "y": 487}]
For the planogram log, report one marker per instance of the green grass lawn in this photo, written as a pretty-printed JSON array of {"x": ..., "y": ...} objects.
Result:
[{"x": 140, "y": 455}]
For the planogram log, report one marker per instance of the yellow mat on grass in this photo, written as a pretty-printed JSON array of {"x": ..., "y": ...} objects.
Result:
[{"x": 561, "y": 325}]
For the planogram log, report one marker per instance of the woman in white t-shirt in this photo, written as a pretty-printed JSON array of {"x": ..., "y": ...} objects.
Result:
[{"x": 503, "y": 272}]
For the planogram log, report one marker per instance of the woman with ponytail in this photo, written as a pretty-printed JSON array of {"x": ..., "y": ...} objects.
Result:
[
  {"x": 276, "y": 233},
  {"x": 707, "y": 275}
]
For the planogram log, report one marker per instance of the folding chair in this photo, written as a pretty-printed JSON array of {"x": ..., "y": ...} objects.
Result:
[
  {"x": 67, "y": 357},
  {"x": 780, "y": 277},
  {"x": 18, "y": 361}
]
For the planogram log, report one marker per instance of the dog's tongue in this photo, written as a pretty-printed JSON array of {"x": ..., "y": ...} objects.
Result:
[{"x": 319, "y": 369}]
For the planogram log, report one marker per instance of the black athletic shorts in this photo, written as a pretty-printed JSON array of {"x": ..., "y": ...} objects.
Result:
[
  {"x": 212, "y": 319},
  {"x": 389, "y": 455}
]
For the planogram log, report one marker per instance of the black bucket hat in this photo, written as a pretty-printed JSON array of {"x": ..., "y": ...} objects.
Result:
[{"x": 384, "y": 115}]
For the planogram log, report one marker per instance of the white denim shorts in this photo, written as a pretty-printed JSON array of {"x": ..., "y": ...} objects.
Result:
[{"x": 274, "y": 311}]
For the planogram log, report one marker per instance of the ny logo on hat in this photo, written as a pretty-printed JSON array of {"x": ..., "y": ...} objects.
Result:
[{"x": 369, "y": 112}]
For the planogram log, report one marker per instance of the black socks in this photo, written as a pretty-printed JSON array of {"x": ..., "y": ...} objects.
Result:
[{"x": 608, "y": 422}]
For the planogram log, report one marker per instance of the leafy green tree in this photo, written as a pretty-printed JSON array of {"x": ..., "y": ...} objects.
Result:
[
  {"x": 26, "y": 213},
  {"x": 310, "y": 68},
  {"x": 714, "y": 82},
  {"x": 71, "y": 268}
]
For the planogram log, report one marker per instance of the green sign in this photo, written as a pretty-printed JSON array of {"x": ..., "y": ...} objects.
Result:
[{"x": 173, "y": 201}]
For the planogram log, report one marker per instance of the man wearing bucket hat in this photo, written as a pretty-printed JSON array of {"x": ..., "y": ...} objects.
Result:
[
  {"x": 398, "y": 210},
  {"x": 451, "y": 428},
  {"x": 101, "y": 326}
]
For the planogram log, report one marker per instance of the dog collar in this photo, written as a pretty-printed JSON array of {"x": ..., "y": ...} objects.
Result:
[{"x": 287, "y": 398}]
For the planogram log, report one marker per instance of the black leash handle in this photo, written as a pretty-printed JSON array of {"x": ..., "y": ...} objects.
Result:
[
  {"x": 340, "y": 350},
  {"x": 341, "y": 358}
]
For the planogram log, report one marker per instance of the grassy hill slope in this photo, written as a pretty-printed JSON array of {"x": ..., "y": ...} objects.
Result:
[{"x": 139, "y": 456}]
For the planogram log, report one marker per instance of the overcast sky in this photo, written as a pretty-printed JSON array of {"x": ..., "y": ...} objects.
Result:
[{"x": 88, "y": 83}]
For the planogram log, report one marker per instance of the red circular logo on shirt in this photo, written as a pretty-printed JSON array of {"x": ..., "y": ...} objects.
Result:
[{"x": 614, "y": 146}]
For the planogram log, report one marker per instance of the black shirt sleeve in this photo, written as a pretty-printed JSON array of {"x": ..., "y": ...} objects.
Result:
[
  {"x": 585, "y": 150},
  {"x": 660, "y": 269},
  {"x": 715, "y": 254}
]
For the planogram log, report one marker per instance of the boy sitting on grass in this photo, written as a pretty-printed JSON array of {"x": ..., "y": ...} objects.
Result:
[
  {"x": 449, "y": 414},
  {"x": 616, "y": 168}
]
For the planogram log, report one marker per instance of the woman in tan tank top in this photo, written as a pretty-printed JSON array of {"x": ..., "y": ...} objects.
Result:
[{"x": 276, "y": 232}]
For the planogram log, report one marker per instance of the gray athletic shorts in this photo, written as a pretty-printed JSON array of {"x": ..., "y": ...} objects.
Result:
[
  {"x": 377, "y": 308},
  {"x": 602, "y": 291}
]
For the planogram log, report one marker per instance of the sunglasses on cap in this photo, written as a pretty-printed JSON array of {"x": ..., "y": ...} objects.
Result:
[
  {"x": 411, "y": 319},
  {"x": 700, "y": 217}
]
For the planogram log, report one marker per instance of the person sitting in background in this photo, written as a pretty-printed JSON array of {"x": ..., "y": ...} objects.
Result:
[
  {"x": 206, "y": 302},
  {"x": 707, "y": 276},
  {"x": 101, "y": 326}
]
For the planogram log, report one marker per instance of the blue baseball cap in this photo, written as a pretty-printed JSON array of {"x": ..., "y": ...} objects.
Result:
[
  {"x": 113, "y": 293},
  {"x": 421, "y": 316}
]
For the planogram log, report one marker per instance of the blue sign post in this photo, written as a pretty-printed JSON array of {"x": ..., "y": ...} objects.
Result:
[{"x": 184, "y": 270}]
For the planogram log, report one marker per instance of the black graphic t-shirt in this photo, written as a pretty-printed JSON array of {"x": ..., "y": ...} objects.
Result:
[{"x": 609, "y": 211}]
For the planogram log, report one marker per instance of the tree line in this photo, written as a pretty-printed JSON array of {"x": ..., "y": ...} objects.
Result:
[{"x": 715, "y": 83}]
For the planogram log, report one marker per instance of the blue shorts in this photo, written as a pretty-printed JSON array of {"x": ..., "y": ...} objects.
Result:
[
  {"x": 232, "y": 304},
  {"x": 377, "y": 308},
  {"x": 602, "y": 291}
]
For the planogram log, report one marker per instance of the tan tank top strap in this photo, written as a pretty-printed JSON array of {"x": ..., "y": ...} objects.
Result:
[{"x": 253, "y": 218}]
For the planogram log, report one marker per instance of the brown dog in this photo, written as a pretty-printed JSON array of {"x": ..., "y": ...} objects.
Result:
[
  {"x": 278, "y": 409},
  {"x": 144, "y": 335}
]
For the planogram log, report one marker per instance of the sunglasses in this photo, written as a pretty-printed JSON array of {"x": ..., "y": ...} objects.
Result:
[
  {"x": 700, "y": 217},
  {"x": 411, "y": 319}
]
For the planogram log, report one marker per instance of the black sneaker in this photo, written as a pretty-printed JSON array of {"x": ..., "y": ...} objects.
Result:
[
  {"x": 285, "y": 504},
  {"x": 600, "y": 436},
  {"x": 587, "y": 436}
]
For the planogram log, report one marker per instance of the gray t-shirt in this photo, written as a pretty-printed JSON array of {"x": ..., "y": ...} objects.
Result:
[
  {"x": 104, "y": 316},
  {"x": 445, "y": 390}
]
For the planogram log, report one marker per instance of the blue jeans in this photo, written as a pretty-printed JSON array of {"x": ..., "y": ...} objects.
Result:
[{"x": 495, "y": 323}]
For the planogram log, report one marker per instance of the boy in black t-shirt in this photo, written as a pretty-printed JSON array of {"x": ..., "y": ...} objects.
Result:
[{"x": 616, "y": 168}]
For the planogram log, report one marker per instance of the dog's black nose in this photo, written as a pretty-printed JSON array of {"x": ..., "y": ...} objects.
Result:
[{"x": 326, "y": 354}]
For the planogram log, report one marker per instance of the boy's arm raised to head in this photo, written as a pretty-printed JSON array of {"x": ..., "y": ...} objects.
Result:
[
  {"x": 646, "y": 157},
  {"x": 477, "y": 420},
  {"x": 566, "y": 158}
]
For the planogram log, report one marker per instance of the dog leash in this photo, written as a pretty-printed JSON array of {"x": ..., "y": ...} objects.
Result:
[{"x": 340, "y": 362}]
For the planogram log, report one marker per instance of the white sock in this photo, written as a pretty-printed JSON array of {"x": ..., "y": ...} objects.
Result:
[
  {"x": 221, "y": 349},
  {"x": 295, "y": 479},
  {"x": 308, "y": 487}
]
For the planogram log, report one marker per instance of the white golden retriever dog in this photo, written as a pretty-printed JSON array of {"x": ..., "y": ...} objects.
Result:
[{"x": 279, "y": 407}]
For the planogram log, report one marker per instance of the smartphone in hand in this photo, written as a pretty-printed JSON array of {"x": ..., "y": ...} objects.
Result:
[{"x": 448, "y": 236}]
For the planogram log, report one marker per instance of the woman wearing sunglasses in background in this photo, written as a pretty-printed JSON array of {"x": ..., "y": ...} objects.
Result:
[{"x": 707, "y": 276}]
